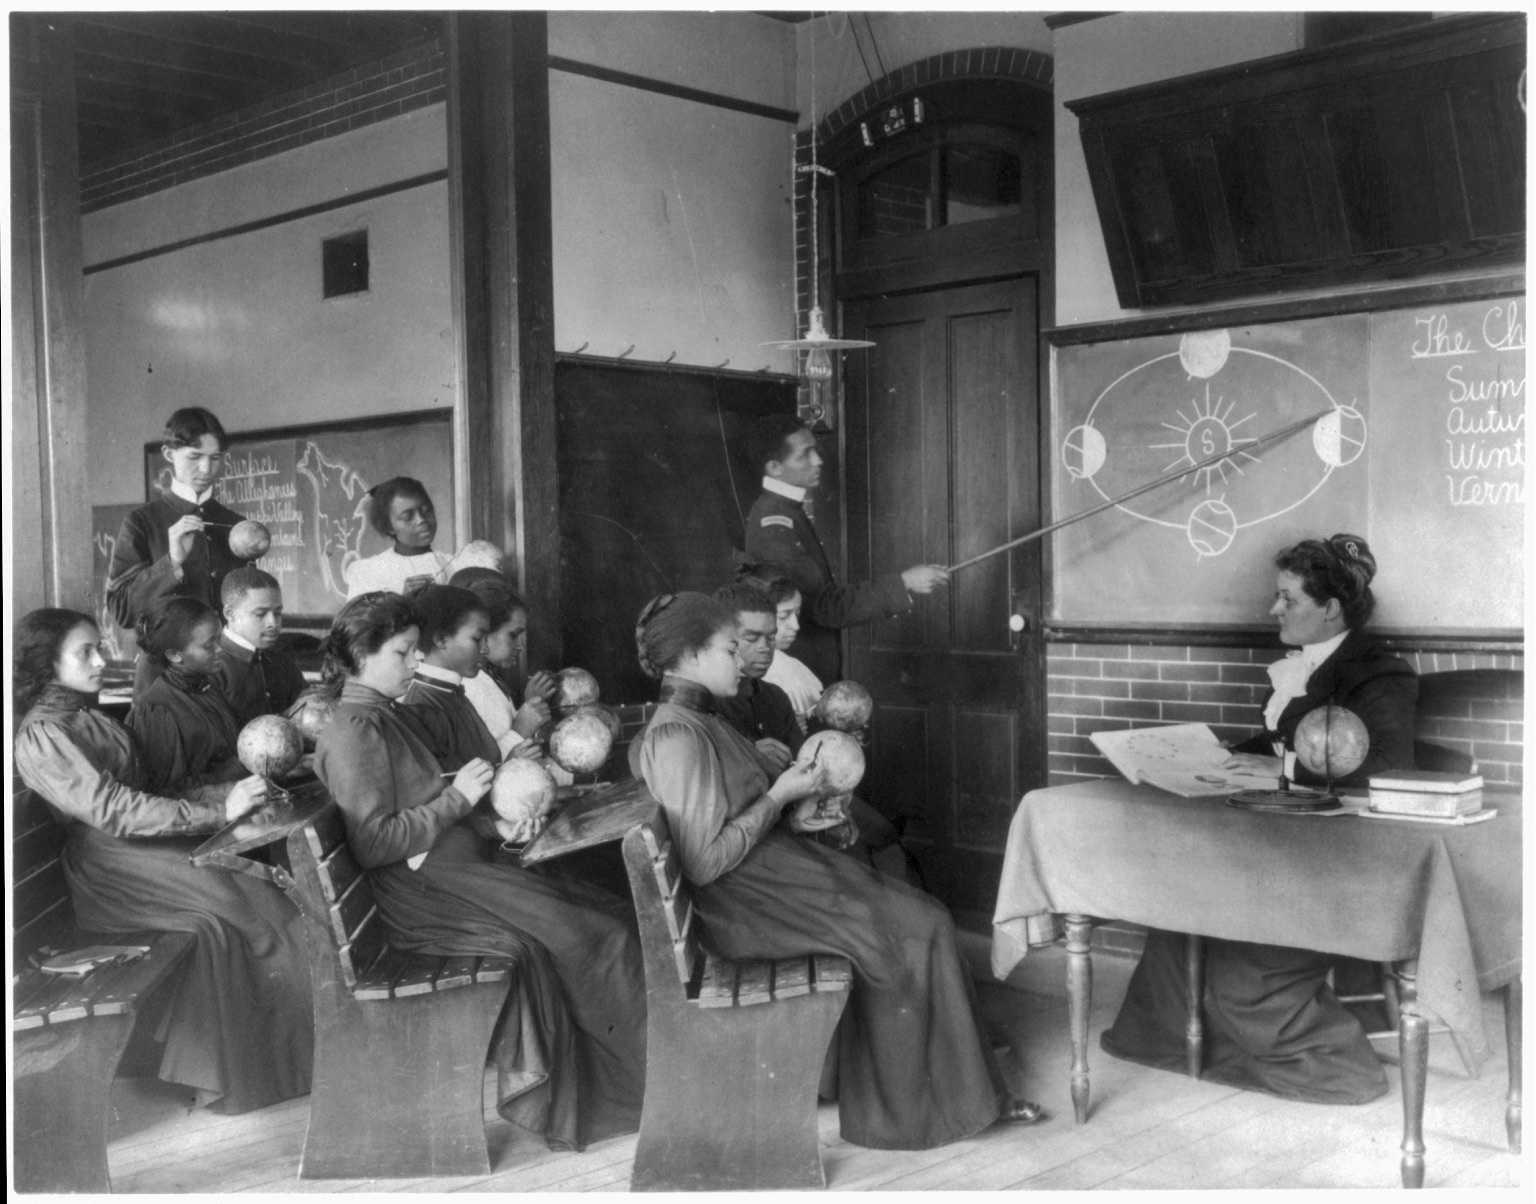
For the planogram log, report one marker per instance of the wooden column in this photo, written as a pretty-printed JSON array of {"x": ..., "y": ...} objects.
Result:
[
  {"x": 499, "y": 201},
  {"x": 51, "y": 515}
]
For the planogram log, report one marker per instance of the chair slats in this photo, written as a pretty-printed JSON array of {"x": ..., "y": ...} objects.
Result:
[
  {"x": 718, "y": 986},
  {"x": 122, "y": 986},
  {"x": 830, "y": 973},
  {"x": 494, "y": 969},
  {"x": 454, "y": 972},
  {"x": 791, "y": 977},
  {"x": 352, "y": 911},
  {"x": 338, "y": 872},
  {"x": 754, "y": 983}
]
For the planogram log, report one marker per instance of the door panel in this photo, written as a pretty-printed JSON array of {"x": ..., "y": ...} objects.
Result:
[{"x": 941, "y": 444}]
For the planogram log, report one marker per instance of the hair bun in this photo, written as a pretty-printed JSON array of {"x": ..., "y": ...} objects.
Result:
[{"x": 1354, "y": 553}]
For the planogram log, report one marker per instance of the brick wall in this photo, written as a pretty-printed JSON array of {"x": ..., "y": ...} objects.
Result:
[
  {"x": 1469, "y": 701},
  {"x": 410, "y": 79}
]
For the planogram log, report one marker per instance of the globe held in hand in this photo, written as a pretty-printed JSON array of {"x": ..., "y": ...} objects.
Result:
[
  {"x": 269, "y": 746},
  {"x": 838, "y": 755},
  {"x": 522, "y": 789}
]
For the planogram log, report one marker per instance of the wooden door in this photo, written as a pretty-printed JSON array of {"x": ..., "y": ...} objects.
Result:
[{"x": 941, "y": 448}]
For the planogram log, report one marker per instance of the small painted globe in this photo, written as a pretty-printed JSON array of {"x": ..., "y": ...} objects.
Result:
[
  {"x": 580, "y": 742},
  {"x": 607, "y": 714},
  {"x": 1331, "y": 741},
  {"x": 476, "y": 554},
  {"x": 846, "y": 706},
  {"x": 839, "y": 755},
  {"x": 573, "y": 688},
  {"x": 269, "y": 746},
  {"x": 522, "y": 789},
  {"x": 312, "y": 713},
  {"x": 249, "y": 540}
]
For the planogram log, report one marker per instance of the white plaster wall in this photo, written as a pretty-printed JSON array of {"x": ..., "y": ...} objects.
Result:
[
  {"x": 239, "y": 324},
  {"x": 672, "y": 227}
]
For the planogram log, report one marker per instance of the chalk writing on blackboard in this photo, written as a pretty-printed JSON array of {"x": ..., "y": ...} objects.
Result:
[
  {"x": 338, "y": 514},
  {"x": 309, "y": 487},
  {"x": 1484, "y": 401},
  {"x": 1212, "y": 399}
]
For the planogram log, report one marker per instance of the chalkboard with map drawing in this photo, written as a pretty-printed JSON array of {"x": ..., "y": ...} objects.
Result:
[
  {"x": 308, "y": 485},
  {"x": 1419, "y": 448}
]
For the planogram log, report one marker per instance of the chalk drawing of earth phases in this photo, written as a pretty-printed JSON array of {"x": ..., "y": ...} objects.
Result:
[{"x": 1205, "y": 409}]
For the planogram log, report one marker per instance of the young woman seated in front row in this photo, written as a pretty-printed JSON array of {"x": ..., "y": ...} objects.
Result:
[
  {"x": 238, "y": 1028},
  {"x": 570, "y": 1047},
  {"x": 914, "y": 1068},
  {"x": 1272, "y": 1022}
]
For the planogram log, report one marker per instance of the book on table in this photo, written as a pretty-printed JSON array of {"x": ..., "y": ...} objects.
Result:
[
  {"x": 1426, "y": 802},
  {"x": 1182, "y": 758},
  {"x": 1426, "y": 781}
]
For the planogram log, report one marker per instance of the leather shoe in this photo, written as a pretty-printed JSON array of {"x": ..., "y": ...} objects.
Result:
[{"x": 1020, "y": 1112}]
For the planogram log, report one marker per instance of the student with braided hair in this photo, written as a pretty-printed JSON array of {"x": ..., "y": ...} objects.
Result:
[{"x": 1272, "y": 1021}]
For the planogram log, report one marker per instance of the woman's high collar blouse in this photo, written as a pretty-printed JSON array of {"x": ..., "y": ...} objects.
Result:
[
  {"x": 85, "y": 764},
  {"x": 384, "y": 778}
]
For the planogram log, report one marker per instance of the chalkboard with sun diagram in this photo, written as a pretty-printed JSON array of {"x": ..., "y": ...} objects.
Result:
[{"x": 1388, "y": 412}]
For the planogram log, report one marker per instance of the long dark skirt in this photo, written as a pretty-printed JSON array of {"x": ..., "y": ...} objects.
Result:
[
  {"x": 914, "y": 1069},
  {"x": 240, "y": 1024},
  {"x": 1272, "y": 1023},
  {"x": 570, "y": 1046}
]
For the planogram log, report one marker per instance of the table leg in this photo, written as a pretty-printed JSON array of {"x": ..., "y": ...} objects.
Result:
[
  {"x": 1194, "y": 988},
  {"x": 1413, "y": 1051},
  {"x": 1512, "y": 1042},
  {"x": 1079, "y": 998}
]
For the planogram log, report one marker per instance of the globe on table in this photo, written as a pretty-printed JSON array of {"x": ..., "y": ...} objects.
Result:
[{"x": 1331, "y": 741}]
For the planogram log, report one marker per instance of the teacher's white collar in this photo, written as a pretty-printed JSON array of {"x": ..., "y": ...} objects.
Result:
[{"x": 793, "y": 492}]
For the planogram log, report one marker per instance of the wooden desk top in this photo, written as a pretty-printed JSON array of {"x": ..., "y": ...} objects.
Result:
[{"x": 592, "y": 817}]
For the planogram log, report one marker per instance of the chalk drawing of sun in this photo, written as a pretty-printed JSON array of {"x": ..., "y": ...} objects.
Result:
[{"x": 1207, "y": 431}]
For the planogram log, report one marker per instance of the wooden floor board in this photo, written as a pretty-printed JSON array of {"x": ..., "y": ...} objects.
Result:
[{"x": 1147, "y": 1129}]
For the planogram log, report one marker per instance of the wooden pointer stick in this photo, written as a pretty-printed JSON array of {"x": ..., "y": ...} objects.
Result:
[{"x": 1273, "y": 436}]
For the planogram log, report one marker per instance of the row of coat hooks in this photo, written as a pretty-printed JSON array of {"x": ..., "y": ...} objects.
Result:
[{"x": 671, "y": 356}]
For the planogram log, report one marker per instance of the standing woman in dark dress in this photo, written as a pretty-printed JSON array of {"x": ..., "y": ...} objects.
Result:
[
  {"x": 570, "y": 1048},
  {"x": 1272, "y": 1022},
  {"x": 178, "y": 544},
  {"x": 914, "y": 1068},
  {"x": 185, "y": 727},
  {"x": 238, "y": 1027}
]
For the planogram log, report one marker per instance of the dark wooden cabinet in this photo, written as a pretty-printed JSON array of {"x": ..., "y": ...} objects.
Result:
[{"x": 1381, "y": 157}]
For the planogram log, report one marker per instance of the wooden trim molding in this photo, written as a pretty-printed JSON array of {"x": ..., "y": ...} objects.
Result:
[
  {"x": 661, "y": 87},
  {"x": 1471, "y": 288},
  {"x": 1213, "y": 635}
]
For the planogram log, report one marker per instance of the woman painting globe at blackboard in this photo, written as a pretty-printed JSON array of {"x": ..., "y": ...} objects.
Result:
[
  {"x": 177, "y": 544},
  {"x": 1272, "y": 1021},
  {"x": 401, "y": 510}
]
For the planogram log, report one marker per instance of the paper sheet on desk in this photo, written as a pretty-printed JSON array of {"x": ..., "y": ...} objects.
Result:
[{"x": 1181, "y": 758}]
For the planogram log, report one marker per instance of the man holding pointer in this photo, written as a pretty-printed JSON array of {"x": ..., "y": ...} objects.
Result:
[{"x": 780, "y": 533}]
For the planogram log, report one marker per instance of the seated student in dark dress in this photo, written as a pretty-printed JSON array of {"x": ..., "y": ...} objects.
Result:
[
  {"x": 177, "y": 544},
  {"x": 254, "y": 675},
  {"x": 238, "y": 1027},
  {"x": 570, "y": 1046},
  {"x": 185, "y": 729},
  {"x": 1272, "y": 1022},
  {"x": 454, "y": 627},
  {"x": 914, "y": 1068}
]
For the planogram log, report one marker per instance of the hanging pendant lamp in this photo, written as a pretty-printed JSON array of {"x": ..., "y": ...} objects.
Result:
[{"x": 816, "y": 342}]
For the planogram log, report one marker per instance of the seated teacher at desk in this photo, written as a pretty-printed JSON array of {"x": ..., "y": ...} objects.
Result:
[
  {"x": 1272, "y": 1022},
  {"x": 238, "y": 1028},
  {"x": 914, "y": 1068}
]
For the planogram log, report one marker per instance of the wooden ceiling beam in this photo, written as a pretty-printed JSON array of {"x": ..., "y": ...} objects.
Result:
[{"x": 100, "y": 39}]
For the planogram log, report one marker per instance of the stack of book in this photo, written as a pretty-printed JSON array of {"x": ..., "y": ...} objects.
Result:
[{"x": 1427, "y": 794}]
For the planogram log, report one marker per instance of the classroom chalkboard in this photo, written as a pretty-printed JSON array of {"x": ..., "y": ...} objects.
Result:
[
  {"x": 1417, "y": 445},
  {"x": 308, "y": 485},
  {"x": 653, "y": 487}
]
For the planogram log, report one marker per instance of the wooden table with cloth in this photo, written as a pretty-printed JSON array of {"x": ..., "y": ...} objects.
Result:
[{"x": 1442, "y": 903}]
